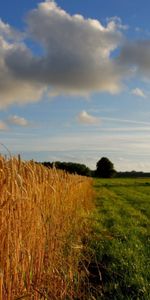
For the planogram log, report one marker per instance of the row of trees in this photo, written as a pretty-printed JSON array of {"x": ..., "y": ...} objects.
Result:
[
  {"x": 70, "y": 167},
  {"x": 104, "y": 168}
]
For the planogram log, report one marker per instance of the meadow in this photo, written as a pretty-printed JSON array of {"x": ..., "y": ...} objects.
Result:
[{"x": 120, "y": 239}]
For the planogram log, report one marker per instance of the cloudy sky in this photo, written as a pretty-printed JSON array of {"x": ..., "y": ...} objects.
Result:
[{"x": 75, "y": 81}]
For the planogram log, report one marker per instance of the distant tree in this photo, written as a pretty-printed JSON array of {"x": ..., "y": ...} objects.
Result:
[{"x": 105, "y": 168}]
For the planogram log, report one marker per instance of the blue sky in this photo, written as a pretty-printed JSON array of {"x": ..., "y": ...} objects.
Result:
[{"x": 74, "y": 81}]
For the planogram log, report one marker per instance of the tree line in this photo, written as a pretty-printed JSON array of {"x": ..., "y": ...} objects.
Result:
[
  {"x": 70, "y": 167},
  {"x": 104, "y": 169}
]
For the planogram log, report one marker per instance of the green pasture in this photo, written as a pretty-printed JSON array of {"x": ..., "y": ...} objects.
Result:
[{"x": 120, "y": 239}]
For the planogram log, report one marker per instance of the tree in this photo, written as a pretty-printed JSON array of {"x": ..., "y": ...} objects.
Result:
[{"x": 105, "y": 168}]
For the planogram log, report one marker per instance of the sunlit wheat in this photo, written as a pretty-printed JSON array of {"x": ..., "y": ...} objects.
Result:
[{"x": 43, "y": 218}]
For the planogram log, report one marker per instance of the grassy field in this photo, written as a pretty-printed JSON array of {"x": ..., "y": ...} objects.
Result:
[{"x": 120, "y": 239}]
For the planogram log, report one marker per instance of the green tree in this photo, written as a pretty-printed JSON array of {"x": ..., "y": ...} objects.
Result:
[{"x": 105, "y": 168}]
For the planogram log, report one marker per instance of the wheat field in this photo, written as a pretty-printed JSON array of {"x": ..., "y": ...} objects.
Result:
[{"x": 43, "y": 220}]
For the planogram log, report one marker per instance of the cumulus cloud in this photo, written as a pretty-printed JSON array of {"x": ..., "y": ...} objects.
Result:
[
  {"x": 20, "y": 121},
  {"x": 10, "y": 33},
  {"x": 77, "y": 50},
  {"x": 15, "y": 88},
  {"x": 86, "y": 118},
  {"x": 136, "y": 54},
  {"x": 116, "y": 23},
  {"x": 138, "y": 92},
  {"x": 74, "y": 57}
]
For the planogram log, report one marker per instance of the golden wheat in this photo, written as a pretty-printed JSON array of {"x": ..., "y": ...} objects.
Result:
[{"x": 43, "y": 215}]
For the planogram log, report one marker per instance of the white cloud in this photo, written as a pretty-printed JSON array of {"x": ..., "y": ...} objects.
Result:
[
  {"x": 9, "y": 32},
  {"x": 20, "y": 121},
  {"x": 136, "y": 55},
  {"x": 116, "y": 22},
  {"x": 77, "y": 50},
  {"x": 74, "y": 58},
  {"x": 86, "y": 118},
  {"x": 14, "y": 87},
  {"x": 117, "y": 120},
  {"x": 126, "y": 129},
  {"x": 138, "y": 92}
]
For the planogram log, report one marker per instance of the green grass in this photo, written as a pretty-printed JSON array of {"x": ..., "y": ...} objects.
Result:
[{"x": 120, "y": 238}]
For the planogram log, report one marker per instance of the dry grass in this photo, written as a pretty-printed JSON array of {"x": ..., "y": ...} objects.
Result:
[{"x": 43, "y": 218}]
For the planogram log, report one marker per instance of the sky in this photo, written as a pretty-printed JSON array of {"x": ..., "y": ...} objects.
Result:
[{"x": 75, "y": 81}]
